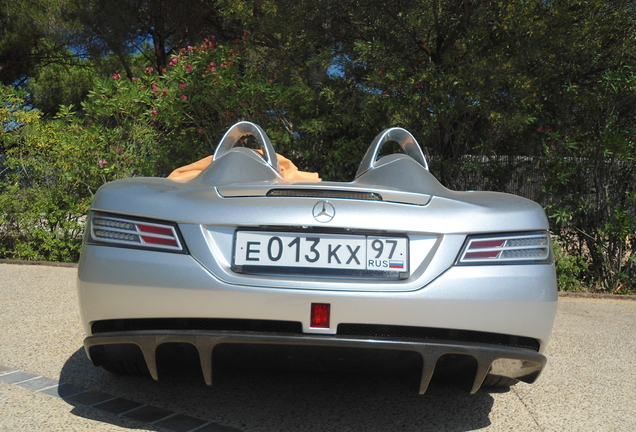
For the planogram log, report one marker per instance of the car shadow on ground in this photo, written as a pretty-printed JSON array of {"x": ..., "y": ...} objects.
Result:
[{"x": 257, "y": 399}]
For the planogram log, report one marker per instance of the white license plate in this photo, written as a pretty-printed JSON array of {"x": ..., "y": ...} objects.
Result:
[{"x": 320, "y": 254}]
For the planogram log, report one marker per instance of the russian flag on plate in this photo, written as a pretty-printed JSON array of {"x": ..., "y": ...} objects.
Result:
[{"x": 396, "y": 264}]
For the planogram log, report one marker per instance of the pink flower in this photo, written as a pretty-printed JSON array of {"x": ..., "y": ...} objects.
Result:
[
  {"x": 154, "y": 112},
  {"x": 133, "y": 79},
  {"x": 200, "y": 130},
  {"x": 212, "y": 69},
  {"x": 540, "y": 129},
  {"x": 190, "y": 48},
  {"x": 548, "y": 129},
  {"x": 102, "y": 163},
  {"x": 116, "y": 76},
  {"x": 229, "y": 59},
  {"x": 212, "y": 64},
  {"x": 184, "y": 97},
  {"x": 149, "y": 70},
  {"x": 164, "y": 90},
  {"x": 275, "y": 76},
  {"x": 182, "y": 86},
  {"x": 188, "y": 68}
]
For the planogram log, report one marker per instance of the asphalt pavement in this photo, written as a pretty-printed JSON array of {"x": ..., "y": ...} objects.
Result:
[{"x": 48, "y": 384}]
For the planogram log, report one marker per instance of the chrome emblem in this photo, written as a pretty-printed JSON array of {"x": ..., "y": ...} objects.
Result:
[{"x": 324, "y": 211}]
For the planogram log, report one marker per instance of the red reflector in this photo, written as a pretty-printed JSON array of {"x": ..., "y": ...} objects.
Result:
[
  {"x": 485, "y": 254},
  {"x": 156, "y": 240},
  {"x": 154, "y": 229},
  {"x": 487, "y": 244},
  {"x": 320, "y": 315}
]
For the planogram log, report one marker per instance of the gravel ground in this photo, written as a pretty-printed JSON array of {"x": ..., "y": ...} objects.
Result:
[{"x": 589, "y": 383}]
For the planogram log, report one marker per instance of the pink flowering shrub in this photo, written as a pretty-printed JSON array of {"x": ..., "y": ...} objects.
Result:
[{"x": 215, "y": 86}]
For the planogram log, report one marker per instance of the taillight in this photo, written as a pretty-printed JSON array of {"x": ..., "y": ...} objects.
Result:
[
  {"x": 132, "y": 232},
  {"x": 523, "y": 248}
]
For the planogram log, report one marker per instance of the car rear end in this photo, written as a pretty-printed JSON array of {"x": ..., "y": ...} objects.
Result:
[{"x": 353, "y": 266}]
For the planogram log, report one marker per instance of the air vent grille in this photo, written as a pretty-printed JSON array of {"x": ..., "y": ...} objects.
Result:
[{"x": 249, "y": 325}]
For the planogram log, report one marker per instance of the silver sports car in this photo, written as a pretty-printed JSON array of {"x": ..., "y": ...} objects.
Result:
[{"x": 393, "y": 262}]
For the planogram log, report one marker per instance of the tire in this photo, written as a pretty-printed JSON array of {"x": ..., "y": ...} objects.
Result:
[{"x": 498, "y": 381}]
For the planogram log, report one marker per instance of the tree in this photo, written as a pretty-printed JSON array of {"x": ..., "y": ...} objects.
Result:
[
  {"x": 32, "y": 33},
  {"x": 59, "y": 84},
  {"x": 155, "y": 28}
]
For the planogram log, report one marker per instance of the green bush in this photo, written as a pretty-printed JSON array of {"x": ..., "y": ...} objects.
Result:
[
  {"x": 571, "y": 269},
  {"x": 53, "y": 169}
]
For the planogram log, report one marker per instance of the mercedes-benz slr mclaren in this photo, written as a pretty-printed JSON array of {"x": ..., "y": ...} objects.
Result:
[{"x": 391, "y": 262}]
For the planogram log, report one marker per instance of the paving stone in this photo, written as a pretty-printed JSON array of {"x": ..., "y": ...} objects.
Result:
[
  {"x": 148, "y": 414},
  {"x": 118, "y": 406},
  {"x": 63, "y": 390},
  {"x": 38, "y": 383},
  {"x": 16, "y": 377},
  {"x": 90, "y": 397}
]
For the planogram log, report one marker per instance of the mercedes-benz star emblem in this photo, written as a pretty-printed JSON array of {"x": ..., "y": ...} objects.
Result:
[{"x": 324, "y": 211}]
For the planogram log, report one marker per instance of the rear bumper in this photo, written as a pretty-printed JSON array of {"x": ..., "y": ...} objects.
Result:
[
  {"x": 517, "y": 302},
  {"x": 511, "y": 362},
  {"x": 115, "y": 283}
]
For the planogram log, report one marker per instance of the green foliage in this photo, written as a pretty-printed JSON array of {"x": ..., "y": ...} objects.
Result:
[
  {"x": 15, "y": 117},
  {"x": 571, "y": 269},
  {"x": 53, "y": 169},
  {"x": 56, "y": 84},
  {"x": 590, "y": 191}
]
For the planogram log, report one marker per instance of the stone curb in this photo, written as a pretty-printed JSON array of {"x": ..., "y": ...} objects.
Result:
[
  {"x": 38, "y": 263},
  {"x": 148, "y": 414},
  {"x": 597, "y": 296}
]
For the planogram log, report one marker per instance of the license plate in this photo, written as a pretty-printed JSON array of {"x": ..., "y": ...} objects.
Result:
[{"x": 320, "y": 254}]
